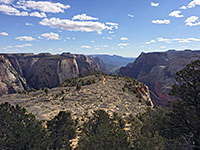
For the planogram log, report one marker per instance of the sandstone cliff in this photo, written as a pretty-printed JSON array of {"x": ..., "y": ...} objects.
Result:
[
  {"x": 157, "y": 71},
  {"x": 10, "y": 80},
  {"x": 20, "y": 72}
]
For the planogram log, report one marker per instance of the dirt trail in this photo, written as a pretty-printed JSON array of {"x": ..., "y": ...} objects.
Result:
[{"x": 104, "y": 80}]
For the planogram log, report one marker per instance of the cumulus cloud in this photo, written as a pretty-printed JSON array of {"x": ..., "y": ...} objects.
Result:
[
  {"x": 123, "y": 44},
  {"x": 51, "y": 36},
  {"x": 83, "y": 26},
  {"x": 23, "y": 45},
  {"x": 179, "y": 40},
  {"x": 37, "y": 14},
  {"x": 192, "y": 4},
  {"x": 4, "y": 33},
  {"x": 87, "y": 47},
  {"x": 130, "y": 15},
  {"x": 192, "y": 21},
  {"x": 44, "y": 6},
  {"x": 6, "y": 1},
  {"x": 113, "y": 25},
  {"x": 176, "y": 14},
  {"x": 84, "y": 17},
  {"x": 152, "y": 41},
  {"x": 154, "y": 4},
  {"x": 161, "y": 21},
  {"x": 183, "y": 7},
  {"x": 163, "y": 40},
  {"x": 8, "y": 9},
  {"x": 25, "y": 38},
  {"x": 123, "y": 38}
]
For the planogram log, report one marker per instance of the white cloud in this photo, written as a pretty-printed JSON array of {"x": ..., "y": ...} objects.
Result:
[
  {"x": 87, "y": 47},
  {"x": 4, "y": 33},
  {"x": 164, "y": 40},
  {"x": 51, "y": 36},
  {"x": 6, "y": 1},
  {"x": 24, "y": 45},
  {"x": 37, "y": 14},
  {"x": 193, "y": 3},
  {"x": 152, "y": 41},
  {"x": 83, "y": 26},
  {"x": 44, "y": 6},
  {"x": 130, "y": 15},
  {"x": 161, "y": 21},
  {"x": 23, "y": 13},
  {"x": 123, "y": 38},
  {"x": 84, "y": 17},
  {"x": 111, "y": 32},
  {"x": 179, "y": 40},
  {"x": 154, "y": 4},
  {"x": 176, "y": 14},
  {"x": 8, "y": 9},
  {"x": 29, "y": 24},
  {"x": 123, "y": 44},
  {"x": 188, "y": 40},
  {"x": 183, "y": 7},
  {"x": 192, "y": 21},
  {"x": 25, "y": 38},
  {"x": 113, "y": 25}
]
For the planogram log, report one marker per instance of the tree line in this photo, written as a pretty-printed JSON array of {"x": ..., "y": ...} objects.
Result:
[{"x": 178, "y": 128}]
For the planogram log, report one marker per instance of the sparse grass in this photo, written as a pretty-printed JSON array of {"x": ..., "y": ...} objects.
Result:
[{"x": 93, "y": 95}]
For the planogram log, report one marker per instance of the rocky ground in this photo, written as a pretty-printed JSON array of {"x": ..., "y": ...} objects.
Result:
[{"x": 106, "y": 93}]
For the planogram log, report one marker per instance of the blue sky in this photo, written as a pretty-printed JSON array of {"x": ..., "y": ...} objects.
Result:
[{"x": 122, "y": 27}]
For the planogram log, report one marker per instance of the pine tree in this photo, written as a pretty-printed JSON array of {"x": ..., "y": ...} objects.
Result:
[
  {"x": 102, "y": 133},
  {"x": 183, "y": 119},
  {"x": 20, "y": 130},
  {"x": 62, "y": 129}
]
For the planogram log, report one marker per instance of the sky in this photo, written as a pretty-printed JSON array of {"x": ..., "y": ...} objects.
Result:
[{"x": 121, "y": 27}]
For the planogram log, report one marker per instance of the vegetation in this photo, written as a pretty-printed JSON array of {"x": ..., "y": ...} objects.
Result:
[
  {"x": 178, "y": 128},
  {"x": 20, "y": 130},
  {"x": 82, "y": 81},
  {"x": 102, "y": 132},
  {"x": 62, "y": 129}
]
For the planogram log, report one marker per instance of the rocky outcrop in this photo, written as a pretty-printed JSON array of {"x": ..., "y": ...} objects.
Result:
[
  {"x": 20, "y": 72},
  {"x": 10, "y": 80},
  {"x": 157, "y": 71},
  {"x": 99, "y": 64}
]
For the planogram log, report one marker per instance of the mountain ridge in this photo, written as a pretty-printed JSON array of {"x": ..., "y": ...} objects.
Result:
[{"x": 158, "y": 69}]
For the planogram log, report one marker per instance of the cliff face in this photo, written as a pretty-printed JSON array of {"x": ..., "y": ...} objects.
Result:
[
  {"x": 10, "y": 80},
  {"x": 22, "y": 71},
  {"x": 157, "y": 70}
]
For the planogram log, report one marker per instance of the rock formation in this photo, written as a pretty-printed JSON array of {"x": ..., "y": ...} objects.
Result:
[
  {"x": 157, "y": 70},
  {"x": 20, "y": 72}
]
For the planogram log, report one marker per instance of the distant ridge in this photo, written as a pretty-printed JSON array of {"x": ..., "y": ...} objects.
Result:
[
  {"x": 157, "y": 70},
  {"x": 115, "y": 61}
]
